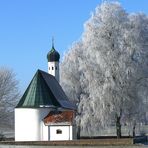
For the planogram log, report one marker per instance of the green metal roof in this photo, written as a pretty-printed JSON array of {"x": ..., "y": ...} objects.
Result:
[{"x": 44, "y": 91}]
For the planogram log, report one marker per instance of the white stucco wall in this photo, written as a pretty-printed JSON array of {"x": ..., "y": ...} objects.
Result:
[
  {"x": 71, "y": 133},
  {"x": 29, "y": 125},
  {"x": 44, "y": 132},
  {"x": 53, "y": 69},
  {"x": 65, "y": 135}
]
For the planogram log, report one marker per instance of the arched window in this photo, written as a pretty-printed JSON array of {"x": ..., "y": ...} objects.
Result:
[
  {"x": 52, "y": 68},
  {"x": 59, "y": 131},
  {"x": 56, "y": 68},
  {"x": 49, "y": 68}
]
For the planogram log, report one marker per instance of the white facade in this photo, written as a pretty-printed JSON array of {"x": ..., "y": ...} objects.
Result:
[
  {"x": 29, "y": 125},
  {"x": 53, "y": 69},
  {"x": 60, "y": 132}
]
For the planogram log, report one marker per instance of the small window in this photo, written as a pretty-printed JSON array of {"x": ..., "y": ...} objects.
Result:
[
  {"x": 52, "y": 68},
  {"x": 56, "y": 68},
  {"x": 59, "y": 131},
  {"x": 49, "y": 68}
]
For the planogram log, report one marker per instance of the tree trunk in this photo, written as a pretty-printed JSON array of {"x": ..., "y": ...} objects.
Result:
[
  {"x": 134, "y": 127},
  {"x": 118, "y": 127},
  {"x": 78, "y": 132}
]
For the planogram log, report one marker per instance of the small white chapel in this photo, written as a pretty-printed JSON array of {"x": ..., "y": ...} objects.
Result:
[{"x": 44, "y": 112}]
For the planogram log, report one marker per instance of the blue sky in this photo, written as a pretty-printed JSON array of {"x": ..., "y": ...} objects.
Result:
[{"x": 27, "y": 26}]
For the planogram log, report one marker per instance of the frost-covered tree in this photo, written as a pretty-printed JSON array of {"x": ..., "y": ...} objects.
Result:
[
  {"x": 8, "y": 97},
  {"x": 102, "y": 71}
]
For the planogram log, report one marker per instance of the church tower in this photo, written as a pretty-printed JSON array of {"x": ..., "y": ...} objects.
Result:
[{"x": 53, "y": 58}]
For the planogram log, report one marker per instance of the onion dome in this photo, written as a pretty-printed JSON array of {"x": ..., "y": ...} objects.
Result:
[{"x": 53, "y": 55}]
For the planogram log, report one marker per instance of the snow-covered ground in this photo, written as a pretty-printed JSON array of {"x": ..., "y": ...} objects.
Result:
[
  {"x": 111, "y": 131},
  {"x": 126, "y": 131}
]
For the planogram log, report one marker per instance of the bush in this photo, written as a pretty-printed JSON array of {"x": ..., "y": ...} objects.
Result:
[{"x": 2, "y": 137}]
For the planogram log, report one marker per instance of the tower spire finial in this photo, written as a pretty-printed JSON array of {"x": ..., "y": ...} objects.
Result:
[{"x": 52, "y": 42}]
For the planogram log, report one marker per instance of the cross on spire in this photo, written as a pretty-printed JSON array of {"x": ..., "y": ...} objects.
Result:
[{"x": 52, "y": 42}]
